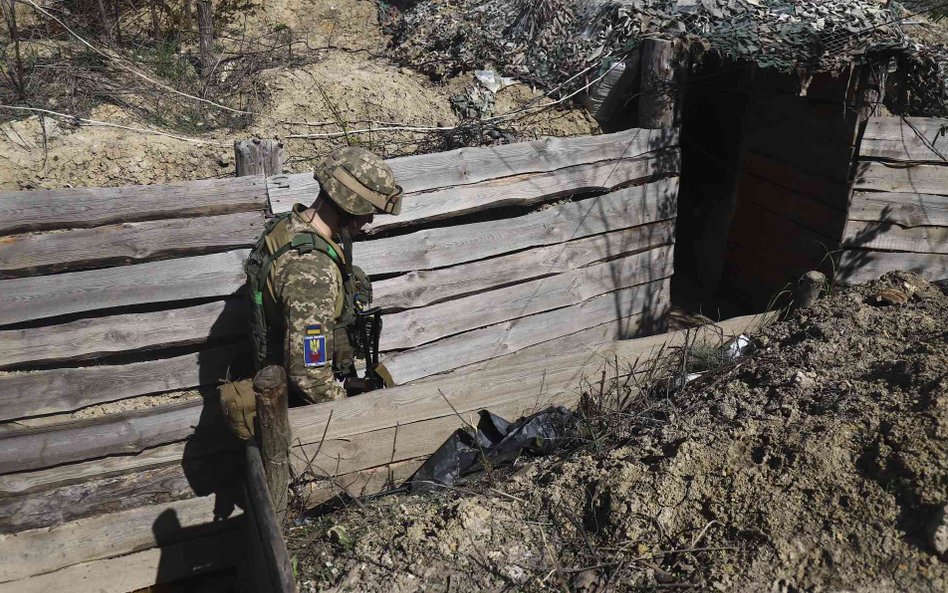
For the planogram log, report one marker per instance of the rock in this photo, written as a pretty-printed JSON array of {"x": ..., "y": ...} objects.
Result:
[
  {"x": 938, "y": 532},
  {"x": 589, "y": 581}
]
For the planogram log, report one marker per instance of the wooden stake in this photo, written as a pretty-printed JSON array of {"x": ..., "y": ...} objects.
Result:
[
  {"x": 657, "y": 103},
  {"x": 273, "y": 432},
  {"x": 258, "y": 157},
  {"x": 809, "y": 288}
]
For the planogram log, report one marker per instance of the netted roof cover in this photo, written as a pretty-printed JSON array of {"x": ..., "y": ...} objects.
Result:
[{"x": 551, "y": 42}]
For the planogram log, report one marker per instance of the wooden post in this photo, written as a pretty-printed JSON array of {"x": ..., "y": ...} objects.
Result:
[
  {"x": 205, "y": 14},
  {"x": 809, "y": 287},
  {"x": 186, "y": 10},
  {"x": 273, "y": 421},
  {"x": 657, "y": 102},
  {"x": 258, "y": 157}
]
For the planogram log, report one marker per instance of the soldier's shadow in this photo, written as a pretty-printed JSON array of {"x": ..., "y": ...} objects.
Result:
[{"x": 213, "y": 457}]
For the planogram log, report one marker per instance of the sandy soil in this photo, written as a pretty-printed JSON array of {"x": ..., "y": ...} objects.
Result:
[
  {"x": 818, "y": 464},
  {"x": 349, "y": 81}
]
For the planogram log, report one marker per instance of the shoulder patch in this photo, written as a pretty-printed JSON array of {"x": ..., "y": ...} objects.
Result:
[{"x": 314, "y": 346}]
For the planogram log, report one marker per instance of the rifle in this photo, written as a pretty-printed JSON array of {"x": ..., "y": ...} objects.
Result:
[{"x": 368, "y": 331}]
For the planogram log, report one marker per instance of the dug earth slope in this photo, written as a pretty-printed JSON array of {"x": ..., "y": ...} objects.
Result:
[{"x": 819, "y": 463}]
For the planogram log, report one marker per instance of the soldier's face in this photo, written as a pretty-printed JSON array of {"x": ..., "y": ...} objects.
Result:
[{"x": 357, "y": 222}]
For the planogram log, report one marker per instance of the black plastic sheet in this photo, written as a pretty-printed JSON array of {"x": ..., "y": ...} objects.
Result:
[{"x": 494, "y": 442}]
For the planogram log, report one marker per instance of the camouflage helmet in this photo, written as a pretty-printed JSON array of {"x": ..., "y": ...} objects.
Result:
[{"x": 359, "y": 182}]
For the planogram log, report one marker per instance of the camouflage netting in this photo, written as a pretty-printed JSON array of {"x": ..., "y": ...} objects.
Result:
[{"x": 562, "y": 44}]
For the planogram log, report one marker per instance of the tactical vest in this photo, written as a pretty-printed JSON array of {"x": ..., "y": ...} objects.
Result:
[{"x": 276, "y": 241}]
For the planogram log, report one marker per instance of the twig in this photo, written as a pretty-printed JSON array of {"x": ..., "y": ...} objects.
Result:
[
  {"x": 556, "y": 563},
  {"x": 92, "y": 122},
  {"x": 129, "y": 68}
]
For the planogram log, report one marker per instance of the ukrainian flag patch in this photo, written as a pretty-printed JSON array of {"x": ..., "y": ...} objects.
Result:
[{"x": 314, "y": 346}]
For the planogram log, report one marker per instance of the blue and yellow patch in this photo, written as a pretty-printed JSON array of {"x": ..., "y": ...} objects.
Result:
[{"x": 314, "y": 346}]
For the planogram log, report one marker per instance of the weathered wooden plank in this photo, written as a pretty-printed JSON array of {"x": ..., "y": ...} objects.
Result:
[
  {"x": 522, "y": 374},
  {"x": 832, "y": 161},
  {"x": 202, "y": 276},
  {"x": 777, "y": 115},
  {"x": 426, "y": 287},
  {"x": 290, "y": 188},
  {"x": 862, "y": 265},
  {"x": 442, "y": 247},
  {"x": 906, "y": 210},
  {"x": 408, "y": 440},
  {"x": 833, "y": 194},
  {"x": 530, "y": 188},
  {"x": 127, "y": 243},
  {"x": 139, "y": 570},
  {"x": 87, "y": 338},
  {"x": 414, "y": 327},
  {"x": 897, "y": 127},
  {"x": 95, "y": 206},
  {"x": 36, "y": 482},
  {"x": 265, "y": 528},
  {"x": 40, "y": 551},
  {"x": 423, "y": 173},
  {"x": 638, "y": 308},
  {"x": 69, "y": 389},
  {"x": 814, "y": 214},
  {"x": 886, "y": 236},
  {"x": 94, "y": 497},
  {"x": 360, "y": 483},
  {"x": 905, "y": 139},
  {"x": 125, "y": 433},
  {"x": 911, "y": 148},
  {"x": 915, "y": 179}
]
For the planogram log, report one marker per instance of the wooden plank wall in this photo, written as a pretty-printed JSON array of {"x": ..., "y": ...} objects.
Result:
[
  {"x": 794, "y": 188},
  {"x": 109, "y": 296},
  {"x": 898, "y": 215}
]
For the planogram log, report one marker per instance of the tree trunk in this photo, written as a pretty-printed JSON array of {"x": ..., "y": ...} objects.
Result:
[
  {"x": 258, "y": 157},
  {"x": 155, "y": 28},
  {"x": 9, "y": 12},
  {"x": 273, "y": 417},
  {"x": 205, "y": 13},
  {"x": 104, "y": 23},
  {"x": 187, "y": 14}
]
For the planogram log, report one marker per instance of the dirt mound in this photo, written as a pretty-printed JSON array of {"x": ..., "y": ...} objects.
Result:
[{"x": 817, "y": 464}]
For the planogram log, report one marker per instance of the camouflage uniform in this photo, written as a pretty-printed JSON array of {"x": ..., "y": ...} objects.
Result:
[{"x": 305, "y": 291}]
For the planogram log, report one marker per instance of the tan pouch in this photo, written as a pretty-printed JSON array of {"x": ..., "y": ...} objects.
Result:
[{"x": 240, "y": 407}]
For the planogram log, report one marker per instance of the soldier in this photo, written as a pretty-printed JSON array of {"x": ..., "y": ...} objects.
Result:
[{"x": 306, "y": 294}]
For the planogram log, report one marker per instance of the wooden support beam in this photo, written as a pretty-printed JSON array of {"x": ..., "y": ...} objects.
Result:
[
  {"x": 657, "y": 101},
  {"x": 96, "y": 206},
  {"x": 270, "y": 389},
  {"x": 258, "y": 156}
]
